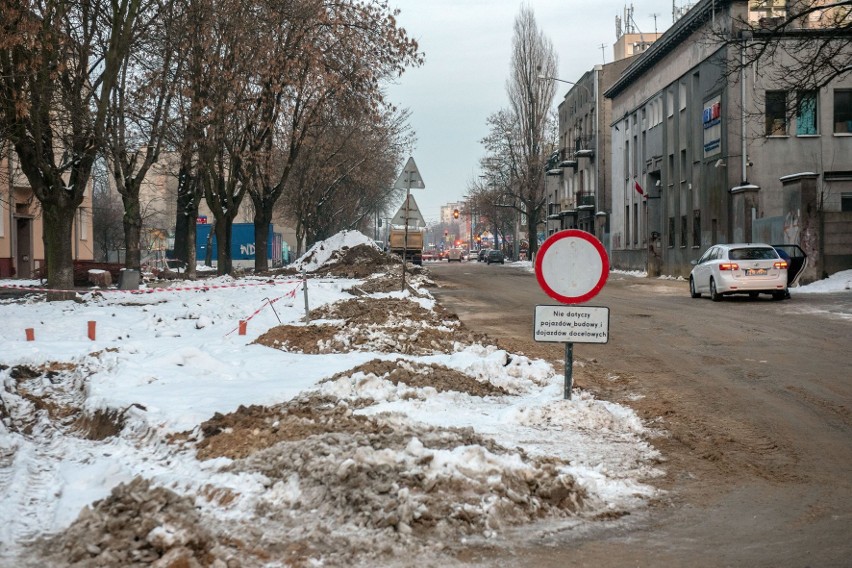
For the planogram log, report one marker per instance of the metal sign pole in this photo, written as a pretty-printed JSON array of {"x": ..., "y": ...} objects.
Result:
[
  {"x": 405, "y": 240},
  {"x": 569, "y": 369}
]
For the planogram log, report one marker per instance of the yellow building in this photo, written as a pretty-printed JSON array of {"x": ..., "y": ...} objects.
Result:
[{"x": 21, "y": 223}]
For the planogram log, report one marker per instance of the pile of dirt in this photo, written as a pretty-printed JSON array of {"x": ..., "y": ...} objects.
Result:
[
  {"x": 418, "y": 375},
  {"x": 252, "y": 428},
  {"x": 389, "y": 325},
  {"x": 137, "y": 525},
  {"x": 390, "y": 280},
  {"x": 429, "y": 483},
  {"x": 386, "y": 486},
  {"x": 355, "y": 262}
]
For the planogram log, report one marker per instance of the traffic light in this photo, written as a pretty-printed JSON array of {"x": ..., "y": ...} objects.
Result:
[{"x": 455, "y": 213}]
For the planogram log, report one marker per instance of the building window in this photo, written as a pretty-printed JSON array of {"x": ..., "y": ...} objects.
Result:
[
  {"x": 627, "y": 226},
  {"x": 670, "y": 102},
  {"x": 671, "y": 232},
  {"x": 683, "y": 231},
  {"x": 846, "y": 201},
  {"x": 696, "y": 228},
  {"x": 806, "y": 113},
  {"x": 682, "y": 94},
  {"x": 776, "y": 113},
  {"x": 842, "y": 111}
]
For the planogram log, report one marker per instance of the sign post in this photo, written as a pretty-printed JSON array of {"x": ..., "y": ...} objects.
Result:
[
  {"x": 571, "y": 267},
  {"x": 410, "y": 177}
]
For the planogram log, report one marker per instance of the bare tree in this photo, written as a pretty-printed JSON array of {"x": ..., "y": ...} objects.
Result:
[
  {"x": 331, "y": 54},
  {"x": 345, "y": 172},
  {"x": 139, "y": 109},
  {"x": 107, "y": 215},
  {"x": 519, "y": 142},
  {"x": 807, "y": 42},
  {"x": 59, "y": 65}
]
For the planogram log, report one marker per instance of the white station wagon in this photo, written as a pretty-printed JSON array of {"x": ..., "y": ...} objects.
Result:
[{"x": 743, "y": 268}]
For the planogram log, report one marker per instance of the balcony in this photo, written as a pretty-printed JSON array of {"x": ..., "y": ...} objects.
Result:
[
  {"x": 566, "y": 158},
  {"x": 585, "y": 146},
  {"x": 580, "y": 201},
  {"x": 585, "y": 200},
  {"x": 553, "y": 210}
]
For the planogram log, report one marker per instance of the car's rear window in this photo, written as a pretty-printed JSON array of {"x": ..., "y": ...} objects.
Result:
[{"x": 767, "y": 253}]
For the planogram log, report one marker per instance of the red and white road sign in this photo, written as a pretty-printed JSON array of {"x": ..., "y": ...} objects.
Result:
[{"x": 572, "y": 266}]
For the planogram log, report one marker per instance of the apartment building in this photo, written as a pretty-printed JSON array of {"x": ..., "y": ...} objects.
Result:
[{"x": 700, "y": 157}]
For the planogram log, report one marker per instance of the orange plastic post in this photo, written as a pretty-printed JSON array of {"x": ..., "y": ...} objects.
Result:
[
  {"x": 30, "y": 334},
  {"x": 243, "y": 324},
  {"x": 92, "y": 330}
]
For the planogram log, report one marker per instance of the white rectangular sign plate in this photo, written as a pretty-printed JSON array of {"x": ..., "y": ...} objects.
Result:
[{"x": 571, "y": 324}]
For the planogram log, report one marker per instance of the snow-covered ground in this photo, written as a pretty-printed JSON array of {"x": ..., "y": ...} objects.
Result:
[{"x": 163, "y": 362}]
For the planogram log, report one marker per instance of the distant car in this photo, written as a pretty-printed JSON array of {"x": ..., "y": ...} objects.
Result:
[
  {"x": 454, "y": 254},
  {"x": 481, "y": 255},
  {"x": 495, "y": 255},
  {"x": 742, "y": 268}
]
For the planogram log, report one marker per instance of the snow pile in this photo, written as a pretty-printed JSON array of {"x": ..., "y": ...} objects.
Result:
[
  {"x": 383, "y": 429},
  {"x": 327, "y": 251},
  {"x": 837, "y": 282}
]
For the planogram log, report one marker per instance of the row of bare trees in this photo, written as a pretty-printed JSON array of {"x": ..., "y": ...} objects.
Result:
[{"x": 258, "y": 98}]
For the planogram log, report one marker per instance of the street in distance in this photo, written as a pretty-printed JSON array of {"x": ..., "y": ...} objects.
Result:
[{"x": 563, "y": 324}]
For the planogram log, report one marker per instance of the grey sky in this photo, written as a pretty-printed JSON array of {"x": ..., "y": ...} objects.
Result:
[{"x": 468, "y": 48}]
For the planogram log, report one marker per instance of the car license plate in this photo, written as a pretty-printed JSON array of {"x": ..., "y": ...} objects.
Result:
[{"x": 756, "y": 272}]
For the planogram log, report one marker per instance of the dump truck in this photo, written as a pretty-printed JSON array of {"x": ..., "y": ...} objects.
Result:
[{"x": 413, "y": 251}]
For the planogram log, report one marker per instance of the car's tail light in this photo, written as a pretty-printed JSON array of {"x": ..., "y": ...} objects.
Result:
[
  {"x": 729, "y": 266},
  {"x": 780, "y": 264}
]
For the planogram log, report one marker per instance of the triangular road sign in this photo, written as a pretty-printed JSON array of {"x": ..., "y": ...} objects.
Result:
[
  {"x": 410, "y": 177},
  {"x": 415, "y": 218}
]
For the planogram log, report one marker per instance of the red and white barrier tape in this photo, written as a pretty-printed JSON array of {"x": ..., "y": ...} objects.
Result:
[
  {"x": 290, "y": 294},
  {"x": 152, "y": 290}
]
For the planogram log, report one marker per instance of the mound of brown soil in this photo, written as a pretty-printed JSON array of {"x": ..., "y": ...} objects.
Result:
[
  {"x": 136, "y": 525},
  {"x": 388, "y": 325},
  {"x": 419, "y": 375},
  {"x": 355, "y": 262}
]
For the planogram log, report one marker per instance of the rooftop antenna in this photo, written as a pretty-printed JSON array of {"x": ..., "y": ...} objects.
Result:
[
  {"x": 654, "y": 15},
  {"x": 603, "y": 52}
]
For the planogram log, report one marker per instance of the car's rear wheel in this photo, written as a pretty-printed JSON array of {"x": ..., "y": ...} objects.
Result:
[
  {"x": 714, "y": 294},
  {"x": 777, "y": 296},
  {"x": 692, "y": 291}
]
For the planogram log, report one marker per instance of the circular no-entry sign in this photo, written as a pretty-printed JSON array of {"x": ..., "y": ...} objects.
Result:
[{"x": 572, "y": 266}]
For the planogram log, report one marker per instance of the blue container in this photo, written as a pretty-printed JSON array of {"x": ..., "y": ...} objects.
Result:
[{"x": 242, "y": 242}]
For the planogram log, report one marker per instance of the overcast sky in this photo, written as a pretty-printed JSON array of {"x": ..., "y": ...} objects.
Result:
[{"x": 468, "y": 48}]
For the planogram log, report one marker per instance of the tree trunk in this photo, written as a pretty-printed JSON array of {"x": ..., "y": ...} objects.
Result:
[
  {"x": 187, "y": 216},
  {"x": 58, "y": 240},
  {"x": 223, "y": 244},
  {"x": 132, "y": 231},
  {"x": 532, "y": 230},
  {"x": 208, "y": 249},
  {"x": 190, "y": 254},
  {"x": 262, "y": 219}
]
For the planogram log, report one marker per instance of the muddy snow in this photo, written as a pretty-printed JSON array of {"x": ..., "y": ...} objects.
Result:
[{"x": 375, "y": 429}]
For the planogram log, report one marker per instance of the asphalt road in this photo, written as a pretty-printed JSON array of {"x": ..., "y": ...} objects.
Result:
[{"x": 753, "y": 399}]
